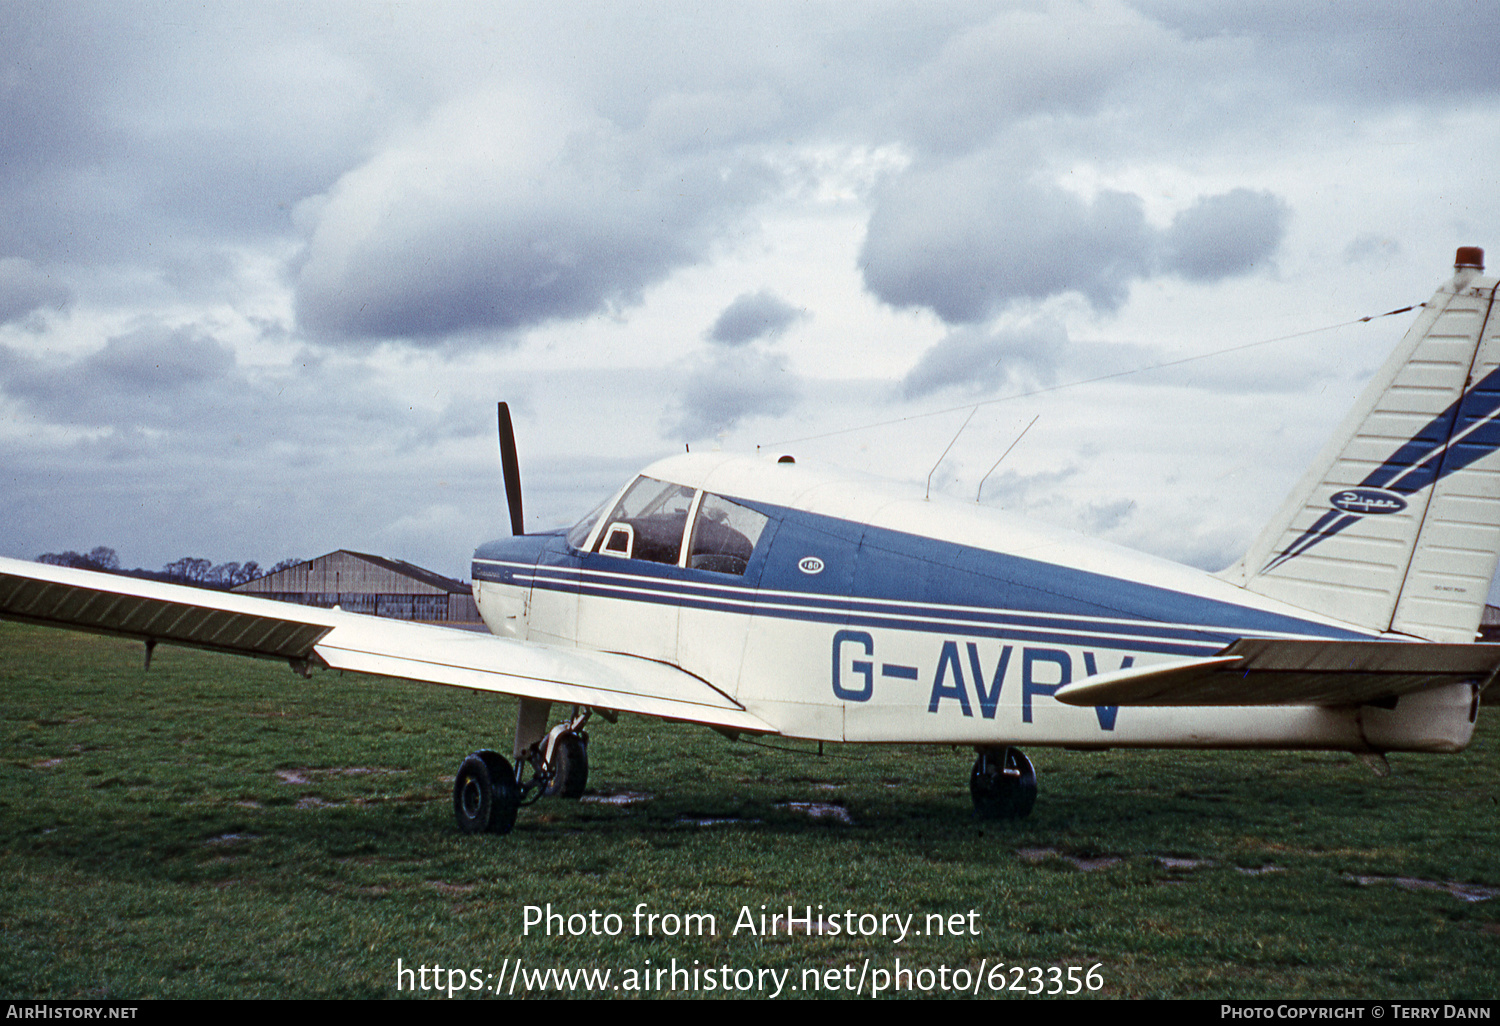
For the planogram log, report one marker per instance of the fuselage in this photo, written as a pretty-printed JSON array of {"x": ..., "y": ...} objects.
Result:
[{"x": 844, "y": 609}]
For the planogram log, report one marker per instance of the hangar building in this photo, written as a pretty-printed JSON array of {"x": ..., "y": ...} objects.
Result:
[{"x": 361, "y": 583}]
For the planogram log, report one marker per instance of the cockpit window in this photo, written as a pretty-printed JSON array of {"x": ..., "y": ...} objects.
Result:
[
  {"x": 724, "y": 536},
  {"x": 648, "y": 522}
]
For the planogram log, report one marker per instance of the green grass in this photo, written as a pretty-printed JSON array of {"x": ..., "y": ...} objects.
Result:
[{"x": 222, "y": 828}]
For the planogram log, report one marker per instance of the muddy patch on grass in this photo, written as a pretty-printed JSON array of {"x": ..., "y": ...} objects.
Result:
[
  {"x": 314, "y": 802},
  {"x": 452, "y": 890},
  {"x": 1180, "y": 864},
  {"x": 618, "y": 798},
  {"x": 820, "y": 810},
  {"x": 1082, "y": 864},
  {"x": 1093, "y": 864},
  {"x": 713, "y": 821},
  {"x": 1461, "y": 891},
  {"x": 307, "y": 775},
  {"x": 228, "y": 839}
]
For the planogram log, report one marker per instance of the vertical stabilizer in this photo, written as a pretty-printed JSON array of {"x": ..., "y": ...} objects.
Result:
[{"x": 1396, "y": 526}]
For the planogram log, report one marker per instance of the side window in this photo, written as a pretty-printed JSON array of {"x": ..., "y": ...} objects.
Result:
[
  {"x": 724, "y": 536},
  {"x": 648, "y": 522}
]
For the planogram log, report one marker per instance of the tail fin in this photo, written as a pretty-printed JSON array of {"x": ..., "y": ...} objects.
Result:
[{"x": 1396, "y": 527}]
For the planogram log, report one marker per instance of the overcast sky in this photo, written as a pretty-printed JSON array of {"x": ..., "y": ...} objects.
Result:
[{"x": 265, "y": 269}]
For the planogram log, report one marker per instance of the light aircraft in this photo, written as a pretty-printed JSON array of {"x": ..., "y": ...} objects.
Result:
[{"x": 762, "y": 596}]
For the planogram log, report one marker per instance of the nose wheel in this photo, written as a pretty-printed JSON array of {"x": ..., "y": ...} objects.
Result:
[
  {"x": 1002, "y": 784},
  {"x": 570, "y": 766}
]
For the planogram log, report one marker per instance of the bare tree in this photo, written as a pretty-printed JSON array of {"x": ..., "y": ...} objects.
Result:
[
  {"x": 104, "y": 558},
  {"x": 100, "y": 558},
  {"x": 189, "y": 570}
]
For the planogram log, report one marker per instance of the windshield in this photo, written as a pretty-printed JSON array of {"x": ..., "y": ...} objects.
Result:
[{"x": 580, "y": 531}]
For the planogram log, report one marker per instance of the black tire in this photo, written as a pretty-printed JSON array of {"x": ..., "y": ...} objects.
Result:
[
  {"x": 485, "y": 795},
  {"x": 998, "y": 795},
  {"x": 570, "y": 773}
]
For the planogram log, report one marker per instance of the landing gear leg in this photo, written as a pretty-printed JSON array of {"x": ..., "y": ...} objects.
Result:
[{"x": 1003, "y": 784}]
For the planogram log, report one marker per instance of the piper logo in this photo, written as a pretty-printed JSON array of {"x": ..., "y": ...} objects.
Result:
[
  {"x": 1367, "y": 501},
  {"x": 810, "y": 565}
]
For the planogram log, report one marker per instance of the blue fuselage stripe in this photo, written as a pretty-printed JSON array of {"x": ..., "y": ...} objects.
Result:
[{"x": 880, "y": 578}]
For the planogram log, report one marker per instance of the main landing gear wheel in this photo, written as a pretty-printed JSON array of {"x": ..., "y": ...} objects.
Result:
[
  {"x": 485, "y": 794},
  {"x": 1003, "y": 784},
  {"x": 570, "y": 766}
]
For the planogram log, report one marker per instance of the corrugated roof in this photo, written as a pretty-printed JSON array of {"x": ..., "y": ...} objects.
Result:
[
  {"x": 411, "y": 570},
  {"x": 396, "y": 566}
]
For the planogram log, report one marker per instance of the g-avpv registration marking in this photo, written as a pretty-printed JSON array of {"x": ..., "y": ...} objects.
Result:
[{"x": 962, "y": 669}]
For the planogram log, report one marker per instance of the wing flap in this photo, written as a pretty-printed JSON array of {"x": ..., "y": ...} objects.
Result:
[
  {"x": 1264, "y": 672},
  {"x": 243, "y": 625},
  {"x": 469, "y": 659}
]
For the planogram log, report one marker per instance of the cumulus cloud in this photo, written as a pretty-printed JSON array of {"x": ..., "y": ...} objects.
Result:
[
  {"x": 1421, "y": 50},
  {"x": 23, "y": 288},
  {"x": 142, "y": 378},
  {"x": 175, "y": 386},
  {"x": 504, "y": 211},
  {"x": 752, "y": 316},
  {"x": 989, "y": 75},
  {"x": 133, "y": 133},
  {"x": 1225, "y": 235},
  {"x": 968, "y": 237},
  {"x": 728, "y": 387},
  {"x": 978, "y": 361}
]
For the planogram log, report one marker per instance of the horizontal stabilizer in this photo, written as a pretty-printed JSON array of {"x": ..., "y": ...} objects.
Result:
[
  {"x": 243, "y": 625},
  {"x": 1261, "y": 671}
]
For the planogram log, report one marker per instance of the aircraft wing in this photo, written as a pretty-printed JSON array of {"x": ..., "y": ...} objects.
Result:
[
  {"x": 153, "y": 612},
  {"x": 1263, "y": 671}
]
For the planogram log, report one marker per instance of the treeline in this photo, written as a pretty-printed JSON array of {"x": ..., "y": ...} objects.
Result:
[{"x": 201, "y": 573}]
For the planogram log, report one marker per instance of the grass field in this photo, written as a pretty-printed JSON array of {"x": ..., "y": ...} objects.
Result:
[{"x": 221, "y": 828}]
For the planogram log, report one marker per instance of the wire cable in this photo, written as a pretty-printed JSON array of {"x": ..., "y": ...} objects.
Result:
[{"x": 1089, "y": 381}]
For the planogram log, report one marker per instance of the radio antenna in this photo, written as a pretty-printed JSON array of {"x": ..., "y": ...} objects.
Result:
[
  {"x": 1004, "y": 454},
  {"x": 944, "y": 456}
]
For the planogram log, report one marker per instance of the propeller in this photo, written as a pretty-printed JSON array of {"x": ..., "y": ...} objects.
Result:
[{"x": 512, "y": 469}]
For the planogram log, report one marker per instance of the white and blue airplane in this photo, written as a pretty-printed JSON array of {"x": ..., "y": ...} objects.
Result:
[{"x": 762, "y": 596}]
